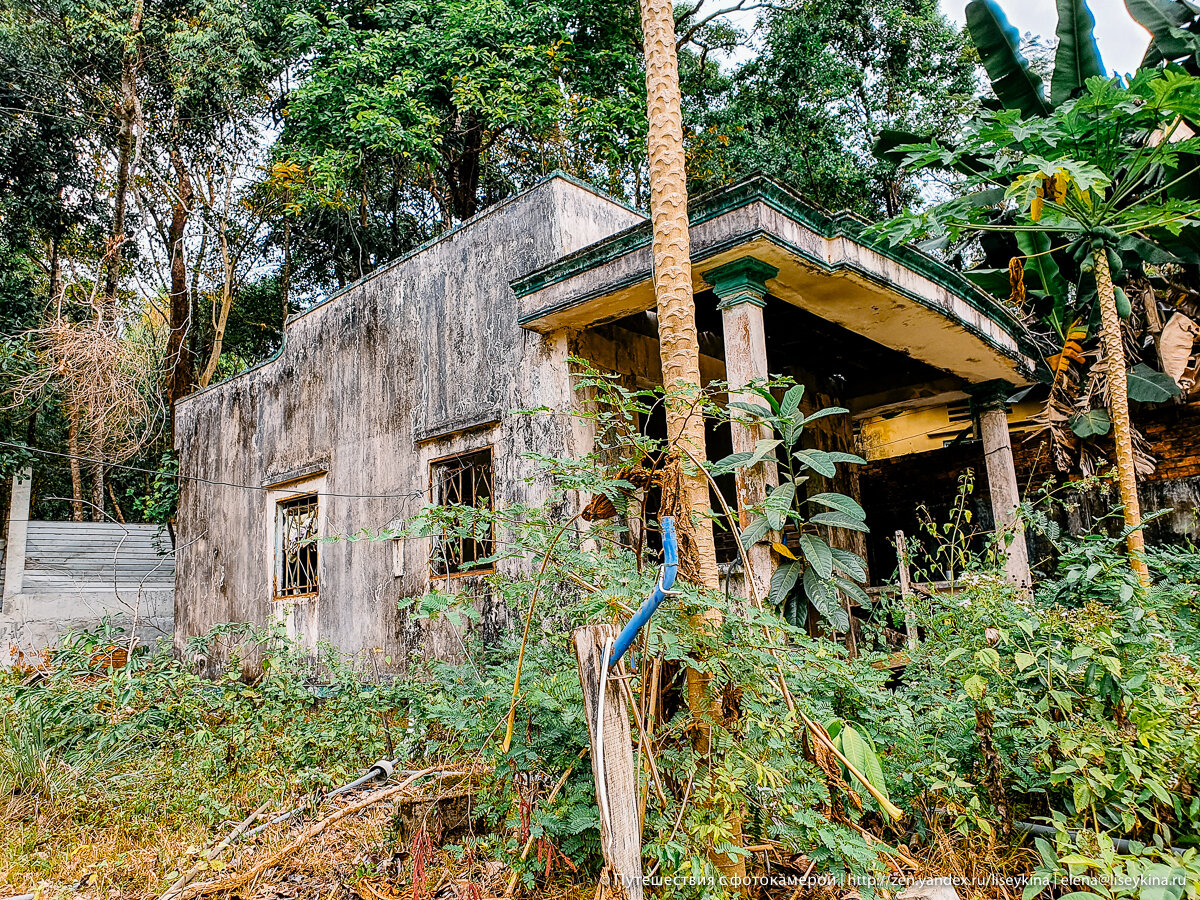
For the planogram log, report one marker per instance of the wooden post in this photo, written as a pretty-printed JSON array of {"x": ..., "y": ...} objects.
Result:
[
  {"x": 612, "y": 766},
  {"x": 989, "y": 402},
  {"x": 910, "y": 621},
  {"x": 741, "y": 289}
]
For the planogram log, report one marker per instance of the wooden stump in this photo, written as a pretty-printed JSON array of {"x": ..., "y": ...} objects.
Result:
[{"x": 620, "y": 829}]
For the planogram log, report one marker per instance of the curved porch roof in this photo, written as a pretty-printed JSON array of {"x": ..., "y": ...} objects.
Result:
[{"x": 898, "y": 297}]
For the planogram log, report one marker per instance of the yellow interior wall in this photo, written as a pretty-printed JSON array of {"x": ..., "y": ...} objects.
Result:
[{"x": 929, "y": 428}]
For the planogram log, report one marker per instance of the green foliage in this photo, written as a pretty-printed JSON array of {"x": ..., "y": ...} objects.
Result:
[
  {"x": 159, "y": 502},
  {"x": 470, "y": 99},
  {"x": 829, "y": 575},
  {"x": 830, "y": 79}
]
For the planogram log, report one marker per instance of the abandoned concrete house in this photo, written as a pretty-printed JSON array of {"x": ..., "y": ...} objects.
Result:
[{"x": 406, "y": 388}]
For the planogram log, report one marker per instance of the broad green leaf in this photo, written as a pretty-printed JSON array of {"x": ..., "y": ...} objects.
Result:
[
  {"x": 1038, "y": 259},
  {"x": 791, "y": 401},
  {"x": 862, "y": 756},
  {"x": 731, "y": 462},
  {"x": 1024, "y": 660},
  {"x": 975, "y": 685},
  {"x": 759, "y": 412},
  {"x": 853, "y": 591},
  {"x": 755, "y": 532},
  {"x": 852, "y": 458},
  {"x": 777, "y": 506},
  {"x": 1161, "y": 18},
  {"x": 1077, "y": 58},
  {"x": 840, "y": 502},
  {"x": 817, "y": 460},
  {"x": 1148, "y": 386},
  {"x": 783, "y": 581},
  {"x": 1091, "y": 423},
  {"x": 849, "y": 563},
  {"x": 822, "y": 596},
  {"x": 763, "y": 449},
  {"x": 827, "y": 411},
  {"x": 818, "y": 554},
  {"x": 998, "y": 43},
  {"x": 839, "y": 520}
]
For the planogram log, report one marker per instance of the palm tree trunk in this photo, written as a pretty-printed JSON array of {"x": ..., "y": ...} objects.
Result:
[
  {"x": 679, "y": 348},
  {"x": 1118, "y": 410},
  {"x": 678, "y": 343}
]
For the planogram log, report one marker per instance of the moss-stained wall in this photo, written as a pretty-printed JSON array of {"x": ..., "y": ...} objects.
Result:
[{"x": 423, "y": 359}]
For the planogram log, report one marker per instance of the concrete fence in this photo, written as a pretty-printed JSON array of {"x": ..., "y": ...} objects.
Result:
[{"x": 62, "y": 576}]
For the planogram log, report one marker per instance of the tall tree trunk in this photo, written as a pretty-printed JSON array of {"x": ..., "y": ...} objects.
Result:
[
  {"x": 1118, "y": 410},
  {"x": 180, "y": 371},
  {"x": 76, "y": 471},
  {"x": 98, "y": 492},
  {"x": 679, "y": 346},
  {"x": 227, "y": 286},
  {"x": 127, "y": 114}
]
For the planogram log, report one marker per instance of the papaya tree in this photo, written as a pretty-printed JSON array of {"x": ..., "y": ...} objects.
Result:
[{"x": 1100, "y": 174}]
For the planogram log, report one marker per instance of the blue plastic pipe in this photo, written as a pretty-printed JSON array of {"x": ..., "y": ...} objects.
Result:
[{"x": 665, "y": 582}]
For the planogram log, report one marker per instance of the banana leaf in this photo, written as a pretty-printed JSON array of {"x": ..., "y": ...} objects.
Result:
[
  {"x": 998, "y": 43},
  {"x": 1077, "y": 58}
]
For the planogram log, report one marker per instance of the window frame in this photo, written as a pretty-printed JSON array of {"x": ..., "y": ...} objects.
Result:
[
  {"x": 488, "y": 542},
  {"x": 280, "y": 497}
]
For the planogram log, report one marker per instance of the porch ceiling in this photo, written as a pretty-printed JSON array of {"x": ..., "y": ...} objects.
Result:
[{"x": 896, "y": 296}]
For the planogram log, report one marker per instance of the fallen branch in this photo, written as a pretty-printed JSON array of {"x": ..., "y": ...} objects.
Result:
[
  {"x": 186, "y": 878},
  {"x": 234, "y": 882}
]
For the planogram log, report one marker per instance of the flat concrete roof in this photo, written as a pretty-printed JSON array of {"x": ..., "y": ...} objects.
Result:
[{"x": 899, "y": 297}]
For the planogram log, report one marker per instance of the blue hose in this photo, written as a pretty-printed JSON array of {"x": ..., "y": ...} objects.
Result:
[{"x": 665, "y": 582}]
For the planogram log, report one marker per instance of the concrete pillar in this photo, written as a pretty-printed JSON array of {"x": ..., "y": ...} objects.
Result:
[
  {"x": 18, "y": 531},
  {"x": 741, "y": 290},
  {"x": 988, "y": 401}
]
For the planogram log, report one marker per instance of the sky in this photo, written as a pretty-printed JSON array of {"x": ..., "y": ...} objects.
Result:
[{"x": 1122, "y": 41}]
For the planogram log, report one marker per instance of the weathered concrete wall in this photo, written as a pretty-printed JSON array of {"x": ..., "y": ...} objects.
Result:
[{"x": 423, "y": 359}]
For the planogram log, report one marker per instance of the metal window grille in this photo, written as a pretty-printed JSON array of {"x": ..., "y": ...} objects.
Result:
[
  {"x": 464, "y": 480},
  {"x": 297, "y": 567}
]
